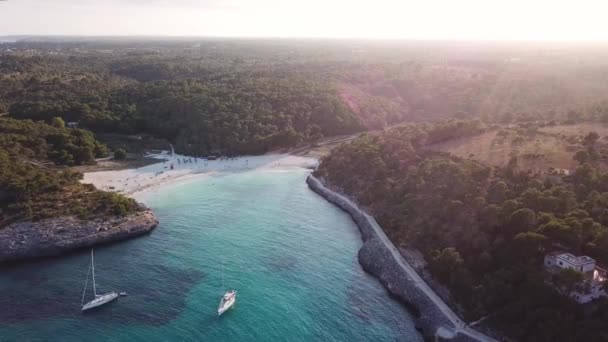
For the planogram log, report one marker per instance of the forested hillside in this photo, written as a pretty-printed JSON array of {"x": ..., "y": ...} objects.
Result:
[
  {"x": 33, "y": 183},
  {"x": 485, "y": 230},
  {"x": 251, "y": 96},
  {"x": 203, "y": 103},
  {"x": 511, "y": 87}
]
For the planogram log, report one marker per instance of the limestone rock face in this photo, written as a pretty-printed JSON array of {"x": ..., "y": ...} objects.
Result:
[{"x": 27, "y": 240}]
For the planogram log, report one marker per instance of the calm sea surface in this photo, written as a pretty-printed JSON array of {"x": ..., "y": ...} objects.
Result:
[{"x": 291, "y": 255}]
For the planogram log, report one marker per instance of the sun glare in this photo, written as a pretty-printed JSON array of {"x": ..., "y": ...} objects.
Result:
[{"x": 406, "y": 19}]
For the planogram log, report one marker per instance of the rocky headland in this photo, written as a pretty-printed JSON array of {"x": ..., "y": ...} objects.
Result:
[{"x": 54, "y": 236}]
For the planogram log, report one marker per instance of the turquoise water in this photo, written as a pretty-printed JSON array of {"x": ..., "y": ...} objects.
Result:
[{"x": 291, "y": 255}]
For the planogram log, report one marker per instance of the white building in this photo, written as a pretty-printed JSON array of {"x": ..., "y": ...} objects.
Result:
[
  {"x": 592, "y": 287},
  {"x": 582, "y": 264}
]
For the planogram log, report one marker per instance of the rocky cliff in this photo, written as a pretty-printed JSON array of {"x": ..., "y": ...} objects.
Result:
[{"x": 27, "y": 240}]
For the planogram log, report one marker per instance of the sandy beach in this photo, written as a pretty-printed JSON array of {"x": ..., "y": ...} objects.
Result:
[{"x": 131, "y": 182}]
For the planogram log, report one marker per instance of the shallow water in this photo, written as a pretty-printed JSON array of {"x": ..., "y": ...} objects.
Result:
[{"x": 291, "y": 255}]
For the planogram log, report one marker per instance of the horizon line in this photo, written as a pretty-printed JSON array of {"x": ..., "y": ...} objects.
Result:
[{"x": 393, "y": 39}]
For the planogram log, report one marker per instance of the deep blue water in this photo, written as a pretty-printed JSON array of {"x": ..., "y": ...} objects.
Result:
[{"x": 291, "y": 255}]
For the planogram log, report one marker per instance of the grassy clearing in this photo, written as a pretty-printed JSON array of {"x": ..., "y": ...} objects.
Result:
[
  {"x": 577, "y": 130},
  {"x": 536, "y": 152}
]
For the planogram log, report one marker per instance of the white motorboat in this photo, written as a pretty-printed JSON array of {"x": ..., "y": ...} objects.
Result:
[
  {"x": 226, "y": 302},
  {"x": 99, "y": 300}
]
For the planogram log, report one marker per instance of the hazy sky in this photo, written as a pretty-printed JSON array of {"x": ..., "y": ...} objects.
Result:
[{"x": 422, "y": 19}]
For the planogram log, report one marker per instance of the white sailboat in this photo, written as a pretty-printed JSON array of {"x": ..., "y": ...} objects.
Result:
[
  {"x": 228, "y": 299},
  {"x": 99, "y": 299},
  {"x": 226, "y": 302}
]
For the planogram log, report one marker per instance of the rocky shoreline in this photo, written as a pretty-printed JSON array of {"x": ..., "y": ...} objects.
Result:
[
  {"x": 379, "y": 257},
  {"x": 29, "y": 240}
]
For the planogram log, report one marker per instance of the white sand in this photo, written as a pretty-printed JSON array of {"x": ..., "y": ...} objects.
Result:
[{"x": 135, "y": 181}]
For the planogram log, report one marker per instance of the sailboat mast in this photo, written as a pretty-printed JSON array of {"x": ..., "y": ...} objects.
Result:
[
  {"x": 86, "y": 281},
  {"x": 93, "y": 267}
]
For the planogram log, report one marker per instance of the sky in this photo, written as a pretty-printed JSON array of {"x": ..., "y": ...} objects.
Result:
[{"x": 550, "y": 20}]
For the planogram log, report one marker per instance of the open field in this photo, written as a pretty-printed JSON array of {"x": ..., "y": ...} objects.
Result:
[
  {"x": 578, "y": 129},
  {"x": 536, "y": 152}
]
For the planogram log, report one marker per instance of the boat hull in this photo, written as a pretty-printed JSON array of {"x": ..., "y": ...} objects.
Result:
[
  {"x": 225, "y": 305},
  {"x": 100, "y": 300}
]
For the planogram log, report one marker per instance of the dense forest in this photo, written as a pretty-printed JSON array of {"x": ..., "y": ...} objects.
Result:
[
  {"x": 252, "y": 96},
  {"x": 202, "y": 106},
  {"x": 34, "y": 182},
  {"x": 485, "y": 230}
]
